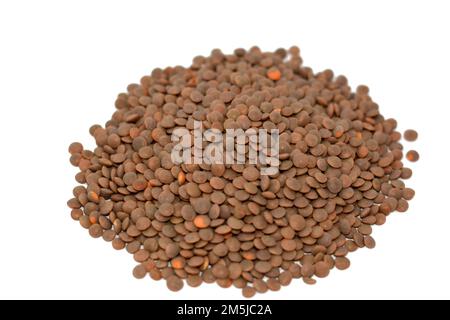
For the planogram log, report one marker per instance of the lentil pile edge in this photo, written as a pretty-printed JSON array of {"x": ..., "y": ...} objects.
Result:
[{"x": 340, "y": 174}]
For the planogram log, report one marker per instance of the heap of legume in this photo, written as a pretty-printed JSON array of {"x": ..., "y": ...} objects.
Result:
[{"x": 340, "y": 174}]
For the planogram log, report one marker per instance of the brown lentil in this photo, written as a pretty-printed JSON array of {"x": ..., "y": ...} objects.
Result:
[
  {"x": 412, "y": 155},
  {"x": 174, "y": 283},
  {"x": 139, "y": 272},
  {"x": 410, "y": 135}
]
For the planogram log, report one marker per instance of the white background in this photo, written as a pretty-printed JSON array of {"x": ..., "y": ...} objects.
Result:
[{"x": 62, "y": 63}]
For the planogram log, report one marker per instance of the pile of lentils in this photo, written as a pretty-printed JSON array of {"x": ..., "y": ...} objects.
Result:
[{"x": 340, "y": 174}]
